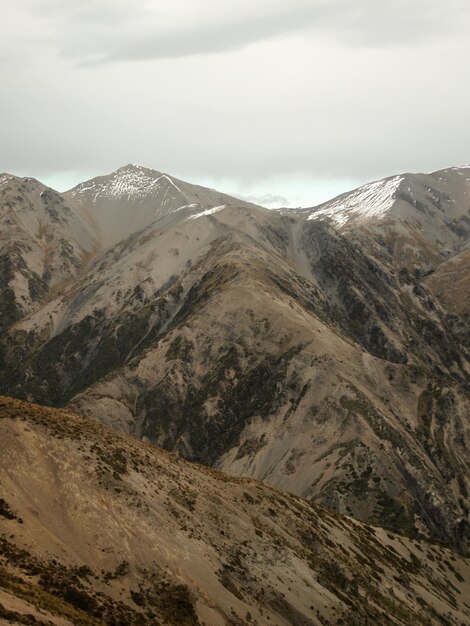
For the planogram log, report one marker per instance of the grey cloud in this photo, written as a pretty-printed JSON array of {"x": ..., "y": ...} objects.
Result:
[
  {"x": 105, "y": 31},
  {"x": 268, "y": 200},
  {"x": 367, "y": 23}
]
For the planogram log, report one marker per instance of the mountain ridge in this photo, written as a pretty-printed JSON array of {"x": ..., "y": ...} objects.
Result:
[
  {"x": 132, "y": 534},
  {"x": 132, "y": 197},
  {"x": 421, "y": 218},
  {"x": 324, "y": 360}
]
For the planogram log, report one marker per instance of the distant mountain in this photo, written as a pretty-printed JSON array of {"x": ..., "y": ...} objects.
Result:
[
  {"x": 43, "y": 244},
  {"x": 98, "y": 528},
  {"x": 133, "y": 197},
  {"x": 318, "y": 350},
  {"x": 417, "y": 220}
]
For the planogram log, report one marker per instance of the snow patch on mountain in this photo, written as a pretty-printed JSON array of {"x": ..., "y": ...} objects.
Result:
[
  {"x": 186, "y": 206},
  {"x": 207, "y": 212},
  {"x": 125, "y": 183},
  {"x": 462, "y": 170},
  {"x": 128, "y": 200},
  {"x": 4, "y": 179},
  {"x": 369, "y": 201}
]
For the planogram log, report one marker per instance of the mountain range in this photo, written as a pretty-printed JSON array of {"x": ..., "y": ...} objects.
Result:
[{"x": 324, "y": 351}]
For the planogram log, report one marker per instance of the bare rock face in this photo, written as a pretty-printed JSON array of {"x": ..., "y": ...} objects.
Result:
[
  {"x": 316, "y": 350},
  {"x": 99, "y": 528}
]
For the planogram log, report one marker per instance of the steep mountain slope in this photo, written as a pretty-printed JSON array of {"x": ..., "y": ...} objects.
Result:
[
  {"x": 417, "y": 224},
  {"x": 259, "y": 373},
  {"x": 132, "y": 197},
  {"x": 435, "y": 208},
  {"x": 450, "y": 282},
  {"x": 270, "y": 345},
  {"x": 217, "y": 346},
  {"x": 43, "y": 244},
  {"x": 417, "y": 220},
  {"x": 99, "y": 528}
]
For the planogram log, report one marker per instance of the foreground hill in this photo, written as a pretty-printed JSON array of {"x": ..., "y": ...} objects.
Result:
[
  {"x": 99, "y": 528},
  {"x": 308, "y": 354}
]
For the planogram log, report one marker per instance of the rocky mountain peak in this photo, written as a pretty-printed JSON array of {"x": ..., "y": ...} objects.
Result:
[
  {"x": 421, "y": 218},
  {"x": 126, "y": 182},
  {"x": 373, "y": 200},
  {"x": 133, "y": 197}
]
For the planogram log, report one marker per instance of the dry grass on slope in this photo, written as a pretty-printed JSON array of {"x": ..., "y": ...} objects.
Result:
[{"x": 99, "y": 528}]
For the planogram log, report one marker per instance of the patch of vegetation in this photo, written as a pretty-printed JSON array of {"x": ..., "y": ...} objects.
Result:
[
  {"x": 10, "y": 312},
  {"x": 226, "y": 579},
  {"x": 78, "y": 598},
  {"x": 258, "y": 390},
  {"x": 5, "y": 510},
  {"x": 204, "y": 289},
  {"x": 251, "y": 446},
  {"x": 83, "y": 352},
  {"x": 185, "y": 497},
  {"x": 121, "y": 570},
  {"x": 291, "y": 463},
  {"x": 277, "y": 236},
  {"x": 37, "y": 287},
  {"x": 11, "y": 617},
  {"x": 62, "y": 591},
  {"x": 42, "y": 599},
  {"x": 394, "y": 516},
  {"x": 361, "y": 406},
  {"x": 332, "y": 576},
  {"x": 115, "y": 459},
  {"x": 83, "y": 571},
  {"x": 180, "y": 348},
  {"x": 164, "y": 599}
]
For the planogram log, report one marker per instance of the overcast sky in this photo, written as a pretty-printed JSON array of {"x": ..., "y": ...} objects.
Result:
[{"x": 292, "y": 101}]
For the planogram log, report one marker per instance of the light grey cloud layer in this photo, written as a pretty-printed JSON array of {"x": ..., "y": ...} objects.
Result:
[
  {"x": 251, "y": 92},
  {"x": 107, "y": 30}
]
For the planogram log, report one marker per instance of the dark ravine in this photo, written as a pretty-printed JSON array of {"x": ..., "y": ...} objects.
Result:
[{"x": 315, "y": 353}]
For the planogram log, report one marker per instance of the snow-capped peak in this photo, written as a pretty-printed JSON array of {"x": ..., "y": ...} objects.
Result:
[
  {"x": 369, "y": 201},
  {"x": 126, "y": 182},
  {"x": 463, "y": 170},
  {"x": 132, "y": 166},
  {"x": 4, "y": 179}
]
